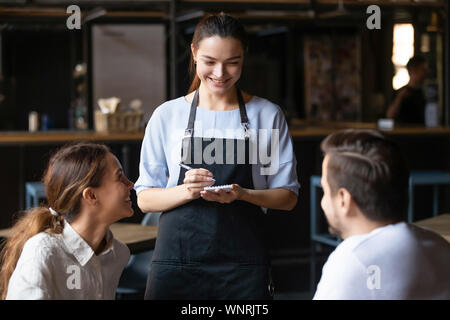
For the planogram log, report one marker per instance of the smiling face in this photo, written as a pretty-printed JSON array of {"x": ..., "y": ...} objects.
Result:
[
  {"x": 219, "y": 63},
  {"x": 114, "y": 191}
]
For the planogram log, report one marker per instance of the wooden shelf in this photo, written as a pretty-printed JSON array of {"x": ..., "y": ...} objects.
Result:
[
  {"x": 48, "y": 137},
  {"x": 296, "y": 130},
  {"x": 32, "y": 12},
  {"x": 44, "y": 10},
  {"x": 305, "y": 129},
  {"x": 251, "y": 1},
  {"x": 29, "y": 12},
  {"x": 436, "y": 3}
]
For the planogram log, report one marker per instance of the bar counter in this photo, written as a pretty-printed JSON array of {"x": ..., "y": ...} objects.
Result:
[
  {"x": 298, "y": 129},
  {"x": 304, "y": 129},
  {"x": 56, "y": 136}
]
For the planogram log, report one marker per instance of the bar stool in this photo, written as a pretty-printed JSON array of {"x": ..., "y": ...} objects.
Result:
[
  {"x": 34, "y": 191},
  {"x": 433, "y": 178}
]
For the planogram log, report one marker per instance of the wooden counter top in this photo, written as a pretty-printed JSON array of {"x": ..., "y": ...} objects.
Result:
[
  {"x": 300, "y": 128},
  {"x": 439, "y": 224},
  {"x": 297, "y": 128},
  {"x": 42, "y": 137},
  {"x": 137, "y": 237}
]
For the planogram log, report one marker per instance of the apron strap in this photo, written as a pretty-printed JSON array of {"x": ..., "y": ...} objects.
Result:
[
  {"x": 244, "y": 118},
  {"x": 189, "y": 132}
]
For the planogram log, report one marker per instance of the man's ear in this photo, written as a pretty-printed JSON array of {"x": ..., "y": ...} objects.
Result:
[
  {"x": 89, "y": 195},
  {"x": 344, "y": 201}
]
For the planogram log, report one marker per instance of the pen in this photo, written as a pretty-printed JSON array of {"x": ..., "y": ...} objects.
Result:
[
  {"x": 185, "y": 166},
  {"x": 189, "y": 168}
]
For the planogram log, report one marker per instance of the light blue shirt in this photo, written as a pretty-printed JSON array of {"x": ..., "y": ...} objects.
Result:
[{"x": 161, "y": 147}]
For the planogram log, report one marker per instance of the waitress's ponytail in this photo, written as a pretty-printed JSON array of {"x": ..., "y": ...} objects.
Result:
[
  {"x": 221, "y": 25},
  {"x": 196, "y": 81}
]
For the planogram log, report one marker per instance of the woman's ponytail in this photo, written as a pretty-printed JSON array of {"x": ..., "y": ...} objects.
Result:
[{"x": 35, "y": 220}]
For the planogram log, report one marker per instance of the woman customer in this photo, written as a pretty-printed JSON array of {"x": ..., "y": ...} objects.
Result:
[{"x": 65, "y": 250}]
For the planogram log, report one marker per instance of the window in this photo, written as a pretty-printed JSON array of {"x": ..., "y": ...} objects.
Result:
[{"x": 402, "y": 51}]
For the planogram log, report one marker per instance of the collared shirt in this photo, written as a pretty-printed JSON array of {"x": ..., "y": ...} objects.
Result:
[
  {"x": 161, "y": 147},
  {"x": 396, "y": 262},
  {"x": 64, "y": 266}
]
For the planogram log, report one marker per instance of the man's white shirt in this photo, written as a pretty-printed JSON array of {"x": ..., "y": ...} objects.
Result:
[{"x": 397, "y": 261}]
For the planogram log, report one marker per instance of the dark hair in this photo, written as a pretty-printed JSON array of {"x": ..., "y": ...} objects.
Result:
[
  {"x": 372, "y": 169},
  {"x": 221, "y": 25},
  {"x": 70, "y": 170},
  {"x": 415, "y": 62}
]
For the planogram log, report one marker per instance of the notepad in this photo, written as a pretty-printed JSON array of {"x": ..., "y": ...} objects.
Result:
[{"x": 225, "y": 187}]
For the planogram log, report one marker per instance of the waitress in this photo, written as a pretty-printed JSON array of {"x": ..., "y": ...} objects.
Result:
[{"x": 210, "y": 242}]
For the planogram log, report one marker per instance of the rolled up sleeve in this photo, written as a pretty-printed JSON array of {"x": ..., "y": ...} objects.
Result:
[
  {"x": 153, "y": 170},
  {"x": 286, "y": 175}
]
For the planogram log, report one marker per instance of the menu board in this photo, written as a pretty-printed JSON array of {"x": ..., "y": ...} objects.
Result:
[{"x": 332, "y": 77}]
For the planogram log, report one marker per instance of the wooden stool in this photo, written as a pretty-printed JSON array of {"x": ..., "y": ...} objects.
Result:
[{"x": 433, "y": 178}]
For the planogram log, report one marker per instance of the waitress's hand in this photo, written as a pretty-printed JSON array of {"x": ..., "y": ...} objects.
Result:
[
  {"x": 195, "y": 180},
  {"x": 221, "y": 196}
]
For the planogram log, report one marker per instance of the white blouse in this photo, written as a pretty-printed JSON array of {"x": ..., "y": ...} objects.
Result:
[{"x": 64, "y": 266}]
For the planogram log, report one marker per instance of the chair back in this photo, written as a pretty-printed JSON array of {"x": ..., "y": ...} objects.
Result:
[
  {"x": 134, "y": 276},
  {"x": 151, "y": 219}
]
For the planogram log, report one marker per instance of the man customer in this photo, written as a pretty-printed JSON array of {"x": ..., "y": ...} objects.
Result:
[{"x": 365, "y": 184}]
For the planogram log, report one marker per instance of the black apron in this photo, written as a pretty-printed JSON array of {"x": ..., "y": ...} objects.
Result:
[{"x": 209, "y": 250}]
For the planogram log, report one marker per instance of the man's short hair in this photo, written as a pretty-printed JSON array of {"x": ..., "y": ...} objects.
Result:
[
  {"x": 415, "y": 62},
  {"x": 372, "y": 169}
]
